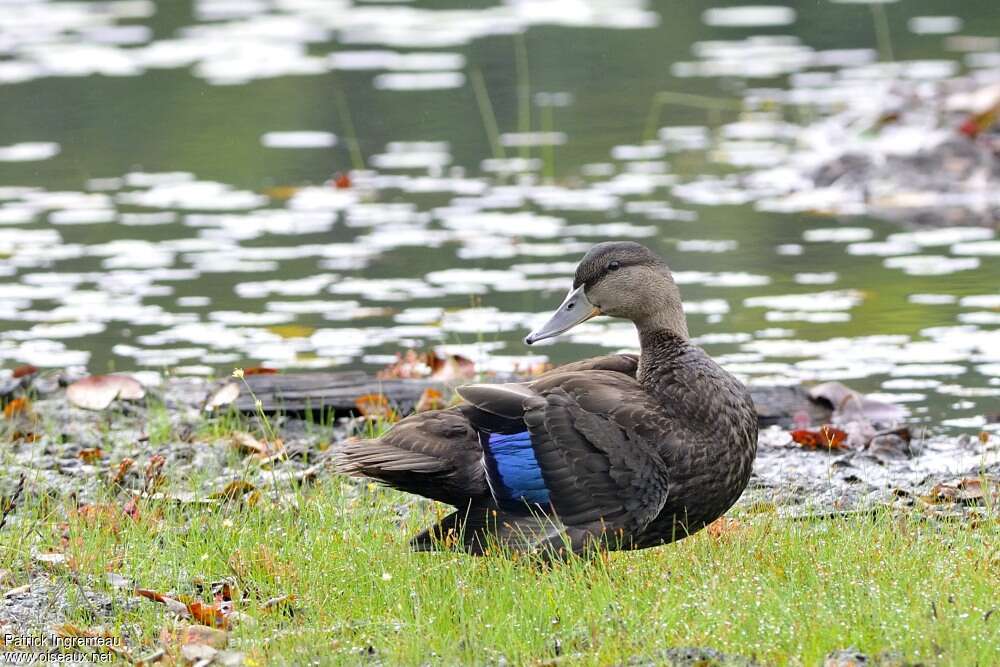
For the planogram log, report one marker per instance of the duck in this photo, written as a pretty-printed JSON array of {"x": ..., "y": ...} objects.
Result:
[{"x": 618, "y": 452}]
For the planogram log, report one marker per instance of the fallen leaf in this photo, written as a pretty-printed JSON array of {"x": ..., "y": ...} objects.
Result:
[
  {"x": 97, "y": 392},
  {"x": 91, "y": 454},
  {"x": 259, "y": 370},
  {"x": 376, "y": 406},
  {"x": 278, "y": 602},
  {"x": 18, "y": 406},
  {"x": 431, "y": 399},
  {"x": 722, "y": 527},
  {"x": 24, "y": 371},
  {"x": 262, "y": 449},
  {"x": 54, "y": 560},
  {"x": 225, "y": 395},
  {"x": 826, "y": 437},
  {"x": 208, "y": 614},
  {"x": 235, "y": 490},
  {"x": 173, "y": 604}
]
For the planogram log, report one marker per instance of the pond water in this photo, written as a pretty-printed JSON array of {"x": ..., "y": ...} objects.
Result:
[{"x": 168, "y": 197}]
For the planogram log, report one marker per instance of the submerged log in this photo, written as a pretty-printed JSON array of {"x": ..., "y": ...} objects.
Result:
[{"x": 320, "y": 393}]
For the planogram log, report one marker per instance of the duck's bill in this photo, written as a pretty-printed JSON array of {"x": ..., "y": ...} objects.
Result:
[{"x": 575, "y": 309}]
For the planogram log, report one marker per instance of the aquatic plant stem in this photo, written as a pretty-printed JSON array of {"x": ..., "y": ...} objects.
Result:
[
  {"x": 486, "y": 112},
  {"x": 668, "y": 97},
  {"x": 549, "y": 150},
  {"x": 523, "y": 90},
  {"x": 883, "y": 36},
  {"x": 350, "y": 135}
]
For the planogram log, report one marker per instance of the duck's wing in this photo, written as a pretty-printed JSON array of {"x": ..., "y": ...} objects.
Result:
[
  {"x": 582, "y": 437},
  {"x": 626, "y": 364}
]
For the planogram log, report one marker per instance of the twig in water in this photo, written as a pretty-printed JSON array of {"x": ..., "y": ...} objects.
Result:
[
  {"x": 523, "y": 90},
  {"x": 486, "y": 112},
  {"x": 344, "y": 111}
]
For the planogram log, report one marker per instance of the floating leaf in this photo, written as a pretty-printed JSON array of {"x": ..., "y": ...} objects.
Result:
[
  {"x": 292, "y": 330},
  {"x": 97, "y": 392}
]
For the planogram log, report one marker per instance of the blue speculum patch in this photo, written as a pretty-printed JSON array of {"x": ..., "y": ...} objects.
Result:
[{"x": 517, "y": 468}]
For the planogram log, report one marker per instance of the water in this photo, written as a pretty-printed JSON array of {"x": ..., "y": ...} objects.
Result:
[{"x": 166, "y": 192}]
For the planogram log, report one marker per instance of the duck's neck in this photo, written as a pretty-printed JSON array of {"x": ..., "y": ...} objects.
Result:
[{"x": 660, "y": 350}]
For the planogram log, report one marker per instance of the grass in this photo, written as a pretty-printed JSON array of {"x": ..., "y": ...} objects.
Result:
[{"x": 783, "y": 592}]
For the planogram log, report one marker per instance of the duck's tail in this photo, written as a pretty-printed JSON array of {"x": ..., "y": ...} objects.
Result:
[{"x": 433, "y": 454}]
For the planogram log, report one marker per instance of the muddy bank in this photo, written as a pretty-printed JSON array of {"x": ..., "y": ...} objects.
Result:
[{"x": 803, "y": 465}]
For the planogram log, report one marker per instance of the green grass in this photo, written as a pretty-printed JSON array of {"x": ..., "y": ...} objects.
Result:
[{"x": 785, "y": 592}]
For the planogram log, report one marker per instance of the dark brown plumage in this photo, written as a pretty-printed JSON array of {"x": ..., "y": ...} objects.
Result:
[{"x": 622, "y": 452}]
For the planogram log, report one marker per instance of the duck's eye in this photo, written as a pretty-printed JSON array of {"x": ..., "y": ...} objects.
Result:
[{"x": 614, "y": 266}]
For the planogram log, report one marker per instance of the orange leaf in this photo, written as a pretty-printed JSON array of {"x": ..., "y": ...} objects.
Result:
[
  {"x": 260, "y": 370},
  {"x": 17, "y": 406},
  {"x": 825, "y": 437},
  {"x": 431, "y": 399},
  {"x": 375, "y": 405},
  {"x": 210, "y": 615},
  {"x": 91, "y": 454},
  {"x": 723, "y": 526}
]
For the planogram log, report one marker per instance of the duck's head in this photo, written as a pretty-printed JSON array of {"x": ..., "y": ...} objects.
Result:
[{"x": 619, "y": 279}]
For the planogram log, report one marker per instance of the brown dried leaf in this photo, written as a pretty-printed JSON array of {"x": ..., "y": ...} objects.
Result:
[
  {"x": 262, "y": 449},
  {"x": 91, "y": 454},
  {"x": 235, "y": 490},
  {"x": 223, "y": 396},
  {"x": 24, "y": 371},
  {"x": 431, "y": 399},
  {"x": 722, "y": 527}
]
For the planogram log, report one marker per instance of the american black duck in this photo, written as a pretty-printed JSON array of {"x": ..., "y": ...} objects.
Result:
[{"x": 621, "y": 451}]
